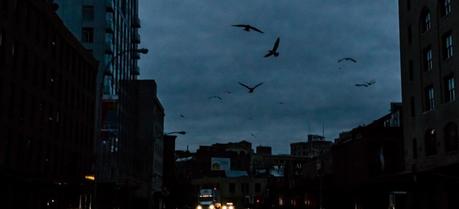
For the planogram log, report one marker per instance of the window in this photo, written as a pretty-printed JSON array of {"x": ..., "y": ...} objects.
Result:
[
  {"x": 88, "y": 12},
  {"x": 426, "y": 21},
  {"x": 1, "y": 38},
  {"x": 408, "y": 4},
  {"x": 87, "y": 35},
  {"x": 415, "y": 148},
  {"x": 410, "y": 70},
  {"x": 451, "y": 137},
  {"x": 232, "y": 188},
  {"x": 245, "y": 188},
  {"x": 446, "y": 8},
  {"x": 430, "y": 98},
  {"x": 410, "y": 34},
  {"x": 448, "y": 45},
  {"x": 430, "y": 142},
  {"x": 412, "y": 105},
  {"x": 428, "y": 64},
  {"x": 257, "y": 187},
  {"x": 450, "y": 90}
]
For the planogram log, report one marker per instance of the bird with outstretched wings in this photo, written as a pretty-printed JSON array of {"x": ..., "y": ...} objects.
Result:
[
  {"x": 251, "y": 89},
  {"x": 274, "y": 51},
  {"x": 215, "y": 97},
  {"x": 248, "y": 28},
  {"x": 366, "y": 84},
  {"x": 347, "y": 59}
]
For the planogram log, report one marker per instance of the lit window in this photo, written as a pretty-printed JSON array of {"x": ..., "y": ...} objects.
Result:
[
  {"x": 448, "y": 45},
  {"x": 450, "y": 93},
  {"x": 428, "y": 64},
  {"x": 446, "y": 8},
  {"x": 87, "y": 35},
  {"x": 427, "y": 24},
  {"x": 430, "y": 98}
]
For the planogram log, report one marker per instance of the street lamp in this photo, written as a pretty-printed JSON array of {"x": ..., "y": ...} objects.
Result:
[
  {"x": 141, "y": 51},
  {"x": 176, "y": 132}
]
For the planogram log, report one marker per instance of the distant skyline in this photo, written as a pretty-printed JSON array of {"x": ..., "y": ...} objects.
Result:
[{"x": 196, "y": 53}]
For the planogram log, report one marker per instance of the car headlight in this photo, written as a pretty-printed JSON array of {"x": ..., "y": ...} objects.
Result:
[
  {"x": 231, "y": 207},
  {"x": 198, "y": 207},
  {"x": 224, "y": 207},
  {"x": 211, "y": 207}
]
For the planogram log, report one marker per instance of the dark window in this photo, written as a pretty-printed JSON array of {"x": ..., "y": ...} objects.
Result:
[
  {"x": 88, "y": 12},
  {"x": 430, "y": 142},
  {"x": 415, "y": 148},
  {"x": 257, "y": 187},
  {"x": 123, "y": 6},
  {"x": 408, "y": 4},
  {"x": 410, "y": 70},
  {"x": 448, "y": 49},
  {"x": 450, "y": 90},
  {"x": 232, "y": 188},
  {"x": 426, "y": 21},
  {"x": 451, "y": 137},
  {"x": 410, "y": 34},
  {"x": 427, "y": 58},
  {"x": 87, "y": 35},
  {"x": 429, "y": 99},
  {"x": 245, "y": 188}
]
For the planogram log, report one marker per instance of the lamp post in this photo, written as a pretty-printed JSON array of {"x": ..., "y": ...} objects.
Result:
[
  {"x": 141, "y": 50},
  {"x": 107, "y": 73}
]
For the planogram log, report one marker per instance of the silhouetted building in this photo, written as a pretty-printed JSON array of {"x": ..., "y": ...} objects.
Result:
[
  {"x": 429, "y": 77},
  {"x": 47, "y": 86},
  {"x": 429, "y": 62},
  {"x": 263, "y": 150},
  {"x": 219, "y": 159},
  {"x": 141, "y": 151},
  {"x": 368, "y": 162},
  {"x": 314, "y": 147},
  {"x": 169, "y": 171},
  {"x": 109, "y": 29}
]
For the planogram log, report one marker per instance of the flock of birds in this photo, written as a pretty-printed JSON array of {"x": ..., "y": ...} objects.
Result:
[{"x": 275, "y": 53}]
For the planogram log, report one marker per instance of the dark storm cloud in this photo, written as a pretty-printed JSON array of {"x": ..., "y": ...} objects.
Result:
[{"x": 196, "y": 53}]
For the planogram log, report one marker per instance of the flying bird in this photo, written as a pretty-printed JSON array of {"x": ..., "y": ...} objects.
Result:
[
  {"x": 248, "y": 28},
  {"x": 347, "y": 59},
  {"x": 253, "y": 135},
  {"x": 215, "y": 97},
  {"x": 251, "y": 89},
  {"x": 228, "y": 92},
  {"x": 281, "y": 103},
  {"x": 274, "y": 50},
  {"x": 182, "y": 116},
  {"x": 366, "y": 84}
]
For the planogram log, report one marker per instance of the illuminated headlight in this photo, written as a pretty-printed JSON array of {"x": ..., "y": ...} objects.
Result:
[
  {"x": 211, "y": 207},
  {"x": 198, "y": 207},
  {"x": 230, "y": 207},
  {"x": 224, "y": 207}
]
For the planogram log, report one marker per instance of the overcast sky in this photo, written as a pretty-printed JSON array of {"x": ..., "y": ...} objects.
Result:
[{"x": 196, "y": 53}]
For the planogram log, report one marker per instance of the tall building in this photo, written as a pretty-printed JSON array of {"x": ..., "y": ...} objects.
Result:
[
  {"x": 141, "y": 148},
  {"x": 47, "y": 91},
  {"x": 109, "y": 30},
  {"x": 430, "y": 61},
  {"x": 430, "y": 74}
]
